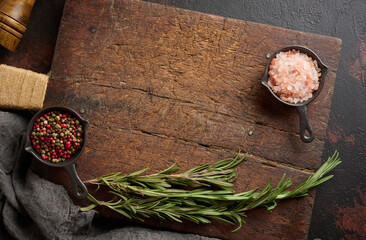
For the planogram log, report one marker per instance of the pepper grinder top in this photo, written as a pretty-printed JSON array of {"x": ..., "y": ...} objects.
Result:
[{"x": 14, "y": 16}]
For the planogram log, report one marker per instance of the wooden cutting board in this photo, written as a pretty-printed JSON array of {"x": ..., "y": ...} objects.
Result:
[{"x": 161, "y": 85}]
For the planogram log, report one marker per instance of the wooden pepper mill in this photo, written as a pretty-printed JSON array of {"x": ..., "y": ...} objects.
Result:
[{"x": 14, "y": 16}]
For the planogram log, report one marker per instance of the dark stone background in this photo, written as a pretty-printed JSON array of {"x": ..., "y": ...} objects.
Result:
[{"x": 340, "y": 204}]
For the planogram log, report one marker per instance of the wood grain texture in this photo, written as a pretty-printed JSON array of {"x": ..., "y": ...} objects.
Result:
[
  {"x": 14, "y": 16},
  {"x": 162, "y": 85},
  {"x": 35, "y": 52}
]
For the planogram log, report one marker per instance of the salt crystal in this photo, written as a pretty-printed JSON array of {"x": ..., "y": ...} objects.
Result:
[{"x": 293, "y": 76}]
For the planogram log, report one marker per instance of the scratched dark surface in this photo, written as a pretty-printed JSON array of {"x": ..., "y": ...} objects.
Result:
[{"x": 340, "y": 205}]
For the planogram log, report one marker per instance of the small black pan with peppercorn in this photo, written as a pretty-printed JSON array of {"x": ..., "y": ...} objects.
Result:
[{"x": 56, "y": 136}]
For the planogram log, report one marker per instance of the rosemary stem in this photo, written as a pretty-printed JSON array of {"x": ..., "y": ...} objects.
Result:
[{"x": 198, "y": 194}]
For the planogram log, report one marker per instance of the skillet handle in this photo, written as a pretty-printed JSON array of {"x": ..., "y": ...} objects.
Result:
[
  {"x": 78, "y": 187},
  {"x": 305, "y": 125}
]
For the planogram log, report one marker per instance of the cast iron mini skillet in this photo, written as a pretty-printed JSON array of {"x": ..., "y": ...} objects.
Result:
[
  {"x": 301, "y": 107},
  {"x": 79, "y": 189}
]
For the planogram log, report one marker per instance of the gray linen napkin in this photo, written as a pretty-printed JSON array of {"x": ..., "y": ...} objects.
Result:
[{"x": 34, "y": 208}]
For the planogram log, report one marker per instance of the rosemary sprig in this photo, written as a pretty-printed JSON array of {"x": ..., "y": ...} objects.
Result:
[{"x": 199, "y": 194}]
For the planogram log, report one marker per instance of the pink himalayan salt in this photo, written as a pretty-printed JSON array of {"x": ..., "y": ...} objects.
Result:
[{"x": 293, "y": 76}]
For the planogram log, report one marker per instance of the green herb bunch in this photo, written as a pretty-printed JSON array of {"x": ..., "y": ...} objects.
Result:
[{"x": 199, "y": 194}]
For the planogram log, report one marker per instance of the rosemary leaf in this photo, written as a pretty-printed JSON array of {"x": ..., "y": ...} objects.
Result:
[
  {"x": 199, "y": 194},
  {"x": 88, "y": 208}
]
